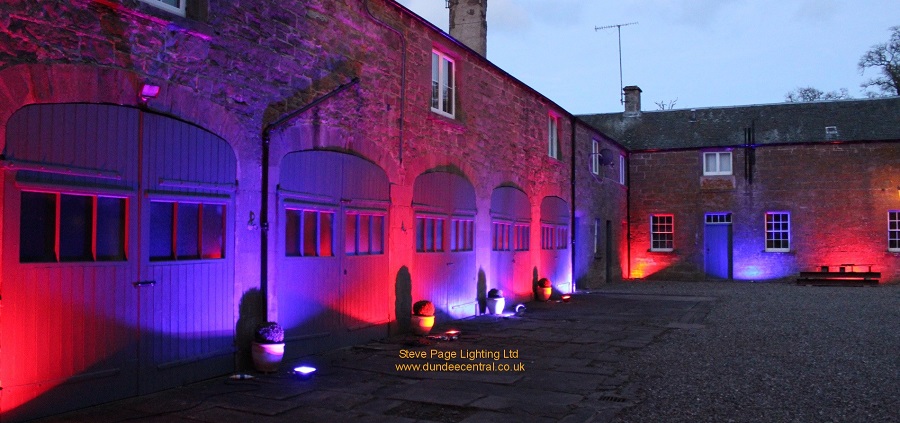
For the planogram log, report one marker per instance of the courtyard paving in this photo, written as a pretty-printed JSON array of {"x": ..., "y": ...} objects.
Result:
[{"x": 633, "y": 352}]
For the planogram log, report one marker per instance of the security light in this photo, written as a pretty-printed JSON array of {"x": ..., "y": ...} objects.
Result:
[{"x": 149, "y": 91}]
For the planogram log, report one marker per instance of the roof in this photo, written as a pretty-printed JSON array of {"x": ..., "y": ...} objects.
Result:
[{"x": 875, "y": 119}]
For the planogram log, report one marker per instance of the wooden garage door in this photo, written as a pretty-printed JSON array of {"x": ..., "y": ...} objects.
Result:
[
  {"x": 511, "y": 259},
  {"x": 333, "y": 286},
  {"x": 444, "y": 271},
  {"x": 78, "y": 326},
  {"x": 556, "y": 259}
]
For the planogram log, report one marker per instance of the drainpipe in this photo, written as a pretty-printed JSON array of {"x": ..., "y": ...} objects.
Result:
[
  {"x": 264, "y": 207},
  {"x": 402, "y": 74},
  {"x": 628, "y": 216},
  {"x": 572, "y": 177}
]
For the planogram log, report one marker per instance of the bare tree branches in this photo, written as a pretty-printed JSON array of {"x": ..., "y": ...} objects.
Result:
[
  {"x": 804, "y": 94},
  {"x": 662, "y": 105},
  {"x": 885, "y": 58}
]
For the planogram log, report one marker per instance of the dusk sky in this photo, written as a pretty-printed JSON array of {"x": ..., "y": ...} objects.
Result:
[{"x": 698, "y": 53}]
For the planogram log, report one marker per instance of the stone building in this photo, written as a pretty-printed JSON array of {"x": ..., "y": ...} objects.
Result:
[
  {"x": 761, "y": 193},
  {"x": 174, "y": 172}
]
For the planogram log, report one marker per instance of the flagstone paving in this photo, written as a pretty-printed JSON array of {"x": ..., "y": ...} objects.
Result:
[{"x": 578, "y": 361}]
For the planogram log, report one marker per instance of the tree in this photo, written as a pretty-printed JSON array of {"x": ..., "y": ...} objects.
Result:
[
  {"x": 804, "y": 94},
  {"x": 662, "y": 105},
  {"x": 885, "y": 58}
]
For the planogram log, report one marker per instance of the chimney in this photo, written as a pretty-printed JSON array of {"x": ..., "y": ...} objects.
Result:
[
  {"x": 632, "y": 101},
  {"x": 468, "y": 23}
]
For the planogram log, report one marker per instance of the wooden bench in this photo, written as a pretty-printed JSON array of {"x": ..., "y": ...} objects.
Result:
[{"x": 840, "y": 275}]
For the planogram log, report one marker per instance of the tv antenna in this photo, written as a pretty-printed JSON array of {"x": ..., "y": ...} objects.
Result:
[{"x": 618, "y": 28}]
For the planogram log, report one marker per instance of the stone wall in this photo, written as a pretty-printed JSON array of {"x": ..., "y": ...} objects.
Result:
[
  {"x": 235, "y": 67},
  {"x": 838, "y": 197}
]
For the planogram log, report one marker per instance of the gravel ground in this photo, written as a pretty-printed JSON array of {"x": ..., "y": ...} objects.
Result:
[{"x": 773, "y": 353}]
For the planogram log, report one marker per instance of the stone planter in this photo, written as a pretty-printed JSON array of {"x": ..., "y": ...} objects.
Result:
[
  {"x": 267, "y": 357},
  {"x": 496, "y": 305},
  {"x": 421, "y": 325}
]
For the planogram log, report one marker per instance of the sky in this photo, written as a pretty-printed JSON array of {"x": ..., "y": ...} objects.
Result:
[{"x": 695, "y": 53}]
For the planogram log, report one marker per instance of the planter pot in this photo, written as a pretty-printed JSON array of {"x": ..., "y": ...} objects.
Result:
[
  {"x": 421, "y": 325},
  {"x": 267, "y": 357},
  {"x": 496, "y": 305},
  {"x": 543, "y": 294}
]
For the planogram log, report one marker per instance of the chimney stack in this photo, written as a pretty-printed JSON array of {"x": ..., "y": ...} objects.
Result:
[
  {"x": 468, "y": 23},
  {"x": 632, "y": 101}
]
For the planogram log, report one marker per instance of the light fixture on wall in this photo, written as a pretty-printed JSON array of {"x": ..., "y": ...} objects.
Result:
[{"x": 149, "y": 91}]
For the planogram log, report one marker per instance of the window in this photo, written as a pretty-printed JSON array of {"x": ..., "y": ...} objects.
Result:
[
  {"x": 461, "y": 233},
  {"x": 429, "y": 234},
  {"x": 662, "y": 232},
  {"x": 595, "y": 157},
  {"x": 363, "y": 234},
  {"x": 309, "y": 233},
  {"x": 894, "y": 230},
  {"x": 177, "y": 7},
  {"x": 443, "y": 85},
  {"x": 553, "y": 136},
  {"x": 58, "y": 227},
  {"x": 717, "y": 163},
  {"x": 622, "y": 170},
  {"x": 186, "y": 231},
  {"x": 554, "y": 237},
  {"x": 778, "y": 231},
  {"x": 718, "y": 218},
  {"x": 501, "y": 236},
  {"x": 522, "y": 241},
  {"x": 596, "y": 237}
]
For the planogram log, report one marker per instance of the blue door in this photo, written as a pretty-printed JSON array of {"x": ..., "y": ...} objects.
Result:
[{"x": 717, "y": 240}]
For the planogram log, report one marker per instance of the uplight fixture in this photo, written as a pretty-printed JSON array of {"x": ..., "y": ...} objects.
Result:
[{"x": 304, "y": 372}]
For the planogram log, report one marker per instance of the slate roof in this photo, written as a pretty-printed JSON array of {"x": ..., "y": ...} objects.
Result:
[{"x": 855, "y": 120}]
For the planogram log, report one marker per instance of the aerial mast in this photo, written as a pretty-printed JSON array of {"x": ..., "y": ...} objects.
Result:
[{"x": 619, "y": 29}]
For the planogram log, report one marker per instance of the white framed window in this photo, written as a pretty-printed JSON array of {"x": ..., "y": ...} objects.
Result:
[
  {"x": 894, "y": 230},
  {"x": 443, "y": 84},
  {"x": 718, "y": 218},
  {"x": 596, "y": 237},
  {"x": 662, "y": 232},
  {"x": 553, "y": 136},
  {"x": 172, "y": 6},
  {"x": 595, "y": 157},
  {"x": 622, "y": 170},
  {"x": 718, "y": 163},
  {"x": 778, "y": 231}
]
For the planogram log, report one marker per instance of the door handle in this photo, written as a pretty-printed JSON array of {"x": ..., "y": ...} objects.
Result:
[{"x": 140, "y": 284}]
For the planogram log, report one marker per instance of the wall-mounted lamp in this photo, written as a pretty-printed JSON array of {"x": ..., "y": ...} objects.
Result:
[{"x": 149, "y": 91}]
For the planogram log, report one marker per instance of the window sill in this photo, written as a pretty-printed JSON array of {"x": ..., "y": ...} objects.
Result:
[{"x": 194, "y": 24}]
